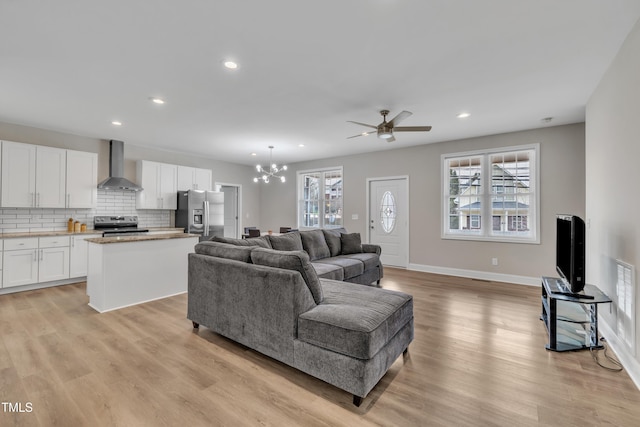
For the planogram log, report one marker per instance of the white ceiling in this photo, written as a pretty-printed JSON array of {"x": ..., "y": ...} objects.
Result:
[{"x": 305, "y": 69}]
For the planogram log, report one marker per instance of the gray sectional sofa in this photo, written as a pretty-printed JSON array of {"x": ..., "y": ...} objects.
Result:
[{"x": 274, "y": 301}]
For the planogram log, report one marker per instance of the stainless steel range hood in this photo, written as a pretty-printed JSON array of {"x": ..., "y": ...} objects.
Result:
[{"x": 116, "y": 180}]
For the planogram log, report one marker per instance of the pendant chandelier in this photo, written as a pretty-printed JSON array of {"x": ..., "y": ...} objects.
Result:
[{"x": 265, "y": 174}]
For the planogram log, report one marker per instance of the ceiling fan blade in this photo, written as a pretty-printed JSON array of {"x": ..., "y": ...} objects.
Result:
[
  {"x": 362, "y": 124},
  {"x": 412, "y": 129},
  {"x": 360, "y": 134},
  {"x": 391, "y": 139},
  {"x": 400, "y": 117}
]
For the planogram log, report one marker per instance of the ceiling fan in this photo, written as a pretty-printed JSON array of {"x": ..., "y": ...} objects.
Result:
[{"x": 386, "y": 128}]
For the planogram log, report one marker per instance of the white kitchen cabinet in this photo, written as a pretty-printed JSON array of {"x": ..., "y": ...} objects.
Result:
[
  {"x": 1, "y": 245},
  {"x": 51, "y": 172},
  {"x": 33, "y": 176},
  {"x": 82, "y": 180},
  {"x": 32, "y": 260},
  {"x": 194, "y": 178},
  {"x": 53, "y": 261},
  {"x": 159, "y": 182},
  {"x": 78, "y": 254},
  {"x": 20, "y": 262},
  {"x": 18, "y": 174}
]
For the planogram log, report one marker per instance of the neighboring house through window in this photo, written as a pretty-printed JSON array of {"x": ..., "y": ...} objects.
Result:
[
  {"x": 500, "y": 185},
  {"x": 320, "y": 198}
]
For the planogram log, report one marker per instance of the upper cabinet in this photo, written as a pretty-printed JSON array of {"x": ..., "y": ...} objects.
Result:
[
  {"x": 194, "y": 179},
  {"x": 33, "y": 176},
  {"x": 160, "y": 185},
  {"x": 82, "y": 179}
]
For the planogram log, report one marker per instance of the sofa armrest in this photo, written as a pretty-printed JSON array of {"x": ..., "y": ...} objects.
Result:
[
  {"x": 255, "y": 305},
  {"x": 371, "y": 248}
]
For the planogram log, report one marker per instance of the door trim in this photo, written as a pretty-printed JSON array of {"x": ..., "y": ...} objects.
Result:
[
  {"x": 406, "y": 207},
  {"x": 217, "y": 187}
]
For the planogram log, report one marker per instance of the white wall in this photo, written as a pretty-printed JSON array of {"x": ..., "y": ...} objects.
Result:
[
  {"x": 612, "y": 202},
  {"x": 562, "y": 191}
]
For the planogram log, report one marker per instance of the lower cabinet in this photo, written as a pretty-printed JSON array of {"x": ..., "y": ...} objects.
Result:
[
  {"x": 20, "y": 262},
  {"x": 78, "y": 254},
  {"x": 34, "y": 260}
]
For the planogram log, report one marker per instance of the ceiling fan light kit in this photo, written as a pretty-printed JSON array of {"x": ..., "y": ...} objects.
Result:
[
  {"x": 270, "y": 172},
  {"x": 385, "y": 129}
]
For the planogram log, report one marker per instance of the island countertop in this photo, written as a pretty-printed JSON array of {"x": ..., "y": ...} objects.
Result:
[
  {"x": 22, "y": 234},
  {"x": 125, "y": 239}
]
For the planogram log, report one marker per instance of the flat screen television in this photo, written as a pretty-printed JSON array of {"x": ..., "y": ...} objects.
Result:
[{"x": 570, "y": 247}]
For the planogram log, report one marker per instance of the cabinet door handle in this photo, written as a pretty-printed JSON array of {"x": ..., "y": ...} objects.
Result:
[
  {"x": 41, "y": 254},
  {"x": 38, "y": 204},
  {"x": 35, "y": 255},
  {"x": 32, "y": 196},
  {"x": 69, "y": 200}
]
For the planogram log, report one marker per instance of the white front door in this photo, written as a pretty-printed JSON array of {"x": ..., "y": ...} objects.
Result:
[
  {"x": 389, "y": 219},
  {"x": 230, "y": 210}
]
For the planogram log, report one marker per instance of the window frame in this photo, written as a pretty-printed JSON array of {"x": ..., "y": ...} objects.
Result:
[
  {"x": 321, "y": 191},
  {"x": 486, "y": 195}
]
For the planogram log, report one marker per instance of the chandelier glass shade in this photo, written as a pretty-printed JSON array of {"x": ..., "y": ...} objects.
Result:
[{"x": 273, "y": 171}]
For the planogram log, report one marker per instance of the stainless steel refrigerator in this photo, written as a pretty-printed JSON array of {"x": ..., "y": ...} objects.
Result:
[{"x": 201, "y": 212}]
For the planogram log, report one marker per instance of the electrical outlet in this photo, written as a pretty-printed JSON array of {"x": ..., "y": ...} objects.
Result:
[{"x": 494, "y": 261}]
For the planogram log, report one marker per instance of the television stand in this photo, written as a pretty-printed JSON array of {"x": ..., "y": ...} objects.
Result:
[{"x": 571, "y": 319}]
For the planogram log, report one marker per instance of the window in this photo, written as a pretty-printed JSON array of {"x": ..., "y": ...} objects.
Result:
[
  {"x": 388, "y": 212},
  {"x": 320, "y": 198},
  {"x": 500, "y": 185}
]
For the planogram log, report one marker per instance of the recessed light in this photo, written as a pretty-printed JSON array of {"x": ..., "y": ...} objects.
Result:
[
  {"x": 254, "y": 154},
  {"x": 463, "y": 115},
  {"x": 231, "y": 65},
  {"x": 157, "y": 100},
  {"x": 300, "y": 145},
  {"x": 116, "y": 123}
]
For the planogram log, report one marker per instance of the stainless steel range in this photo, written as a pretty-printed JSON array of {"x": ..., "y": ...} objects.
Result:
[{"x": 118, "y": 226}]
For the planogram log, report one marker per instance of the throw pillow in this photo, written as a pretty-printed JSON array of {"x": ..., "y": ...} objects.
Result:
[
  {"x": 262, "y": 242},
  {"x": 351, "y": 243},
  {"x": 287, "y": 242},
  {"x": 224, "y": 250},
  {"x": 332, "y": 237},
  {"x": 314, "y": 244},
  {"x": 291, "y": 260}
]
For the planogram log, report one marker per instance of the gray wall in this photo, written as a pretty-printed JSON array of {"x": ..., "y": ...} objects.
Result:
[
  {"x": 612, "y": 202},
  {"x": 229, "y": 173},
  {"x": 562, "y": 191}
]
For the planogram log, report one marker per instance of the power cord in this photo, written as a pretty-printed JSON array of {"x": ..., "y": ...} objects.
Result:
[{"x": 615, "y": 362}]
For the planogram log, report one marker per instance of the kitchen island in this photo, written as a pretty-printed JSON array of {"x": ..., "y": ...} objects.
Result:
[{"x": 130, "y": 270}]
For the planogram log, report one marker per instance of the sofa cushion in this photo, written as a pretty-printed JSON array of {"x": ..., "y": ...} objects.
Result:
[
  {"x": 287, "y": 242},
  {"x": 224, "y": 250},
  {"x": 368, "y": 259},
  {"x": 314, "y": 244},
  {"x": 328, "y": 271},
  {"x": 351, "y": 267},
  {"x": 332, "y": 237},
  {"x": 355, "y": 320},
  {"x": 291, "y": 260},
  {"x": 351, "y": 243},
  {"x": 262, "y": 242}
]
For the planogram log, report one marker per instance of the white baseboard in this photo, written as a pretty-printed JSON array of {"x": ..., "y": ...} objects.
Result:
[
  {"x": 631, "y": 365},
  {"x": 473, "y": 274}
]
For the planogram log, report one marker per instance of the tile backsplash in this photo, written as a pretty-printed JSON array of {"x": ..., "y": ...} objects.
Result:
[{"x": 14, "y": 220}]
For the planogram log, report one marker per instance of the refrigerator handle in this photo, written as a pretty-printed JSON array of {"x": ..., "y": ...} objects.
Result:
[{"x": 205, "y": 232}]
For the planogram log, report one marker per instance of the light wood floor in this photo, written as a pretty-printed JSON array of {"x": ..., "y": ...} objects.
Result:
[{"x": 478, "y": 359}]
